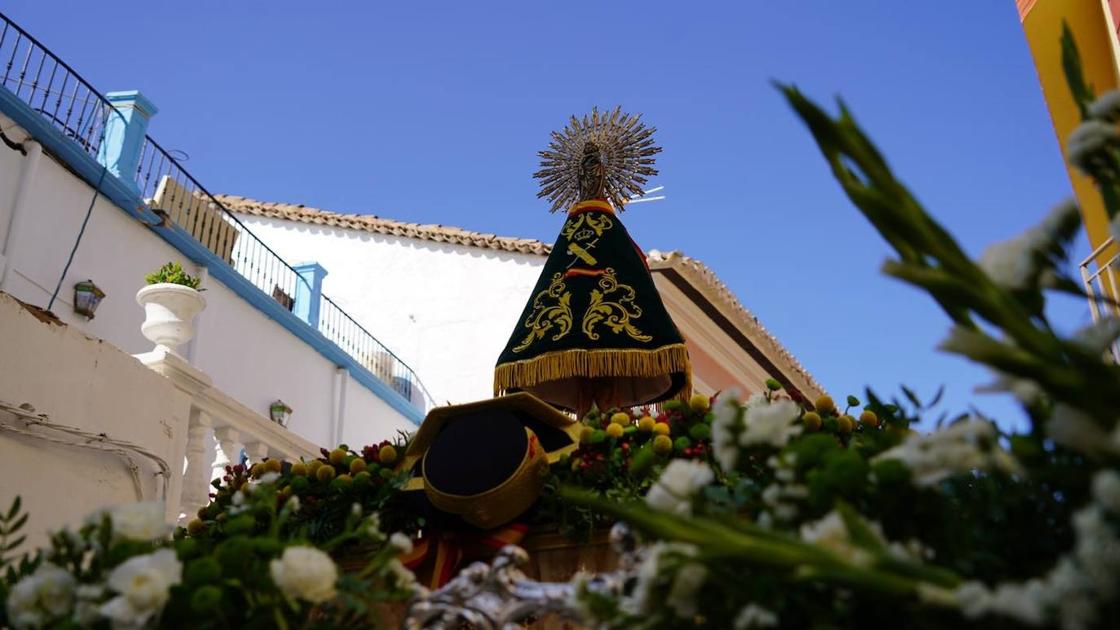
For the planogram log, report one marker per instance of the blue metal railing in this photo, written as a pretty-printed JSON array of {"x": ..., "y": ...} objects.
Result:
[{"x": 48, "y": 85}]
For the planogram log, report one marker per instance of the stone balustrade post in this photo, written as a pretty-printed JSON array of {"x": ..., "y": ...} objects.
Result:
[
  {"x": 196, "y": 479},
  {"x": 228, "y": 451}
]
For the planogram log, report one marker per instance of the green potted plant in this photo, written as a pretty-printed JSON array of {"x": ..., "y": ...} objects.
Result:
[{"x": 171, "y": 300}]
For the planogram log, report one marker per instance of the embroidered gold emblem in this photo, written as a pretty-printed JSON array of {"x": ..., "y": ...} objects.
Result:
[
  {"x": 614, "y": 313},
  {"x": 551, "y": 309},
  {"x": 585, "y": 225}
]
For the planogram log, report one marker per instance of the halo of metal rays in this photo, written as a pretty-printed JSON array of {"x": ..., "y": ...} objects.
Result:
[{"x": 626, "y": 150}]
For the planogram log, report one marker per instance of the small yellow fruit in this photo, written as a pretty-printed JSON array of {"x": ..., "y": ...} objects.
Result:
[
  {"x": 825, "y": 404},
  {"x": 256, "y": 470},
  {"x": 299, "y": 469},
  {"x": 387, "y": 454},
  {"x": 812, "y": 420},
  {"x": 846, "y": 424},
  {"x": 662, "y": 444},
  {"x": 869, "y": 419},
  {"x": 699, "y": 402},
  {"x": 344, "y": 479},
  {"x": 661, "y": 428},
  {"x": 273, "y": 465},
  {"x": 614, "y": 430},
  {"x": 313, "y": 466},
  {"x": 585, "y": 434},
  {"x": 357, "y": 466},
  {"x": 325, "y": 473},
  {"x": 337, "y": 455},
  {"x": 195, "y": 527},
  {"x": 621, "y": 418},
  {"x": 645, "y": 425}
]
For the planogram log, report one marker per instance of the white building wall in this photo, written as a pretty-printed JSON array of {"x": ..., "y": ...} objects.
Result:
[
  {"x": 248, "y": 354},
  {"x": 84, "y": 383},
  {"x": 445, "y": 310}
]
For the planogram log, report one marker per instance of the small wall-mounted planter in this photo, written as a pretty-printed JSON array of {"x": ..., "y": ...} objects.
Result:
[{"x": 169, "y": 312}]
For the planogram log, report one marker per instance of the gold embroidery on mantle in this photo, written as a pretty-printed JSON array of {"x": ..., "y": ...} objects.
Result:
[
  {"x": 614, "y": 314},
  {"x": 546, "y": 317},
  {"x": 585, "y": 225}
]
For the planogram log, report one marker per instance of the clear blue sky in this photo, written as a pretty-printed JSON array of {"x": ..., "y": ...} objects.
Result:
[{"x": 433, "y": 112}]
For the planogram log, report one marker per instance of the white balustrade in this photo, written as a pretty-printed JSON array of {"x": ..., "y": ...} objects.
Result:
[{"x": 220, "y": 427}]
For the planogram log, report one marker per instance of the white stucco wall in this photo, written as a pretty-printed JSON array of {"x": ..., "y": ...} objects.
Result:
[
  {"x": 445, "y": 310},
  {"x": 248, "y": 355},
  {"x": 85, "y": 383}
]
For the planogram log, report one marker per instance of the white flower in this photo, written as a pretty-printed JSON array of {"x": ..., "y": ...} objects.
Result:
[
  {"x": 1075, "y": 429},
  {"x": 267, "y": 478},
  {"x": 959, "y": 448},
  {"x": 1014, "y": 263},
  {"x": 401, "y": 542},
  {"x": 831, "y": 533},
  {"x": 1106, "y": 490},
  {"x": 1010, "y": 263},
  {"x": 143, "y": 585},
  {"x": 771, "y": 423},
  {"x": 44, "y": 596},
  {"x": 1107, "y": 106},
  {"x": 686, "y": 585},
  {"x": 726, "y": 426},
  {"x": 755, "y": 616},
  {"x": 136, "y": 521},
  {"x": 305, "y": 573},
  {"x": 239, "y": 506},
  {"x": 400, "y": 575},
  {"x": 641, "y": 599},
  {"x": 292, "y": 505},
  {"x": 1022, "y": 602},
  {"x": 1088, "y": 140},
  {"x": 678, "y": 484},
  {"x": 373, "y": 526}
]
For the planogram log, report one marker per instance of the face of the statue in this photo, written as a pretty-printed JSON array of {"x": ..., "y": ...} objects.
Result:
[{"x": 591, "y": 174}]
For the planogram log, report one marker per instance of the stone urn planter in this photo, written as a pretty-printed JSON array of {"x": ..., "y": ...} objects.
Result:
[{"x": 169, "y": 312}]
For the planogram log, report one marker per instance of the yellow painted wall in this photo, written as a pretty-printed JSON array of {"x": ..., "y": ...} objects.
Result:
[{"x": 1091, "y": 28}]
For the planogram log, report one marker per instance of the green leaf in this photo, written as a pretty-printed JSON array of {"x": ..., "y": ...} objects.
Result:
[{"x": 12, "y": 511}]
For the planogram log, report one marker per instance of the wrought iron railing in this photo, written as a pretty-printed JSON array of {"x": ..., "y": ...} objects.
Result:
[
  {"x": 1098, "y": 272},
  {"x": 44, "y": 82},
  {"x": 52, "y": 88}
]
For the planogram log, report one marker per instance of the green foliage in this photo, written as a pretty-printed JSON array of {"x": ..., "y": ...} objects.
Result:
[
  {"x": 851, "y": 526},
  {"x": 173, "y": 273},
  {"x": 11, "y": 522}
]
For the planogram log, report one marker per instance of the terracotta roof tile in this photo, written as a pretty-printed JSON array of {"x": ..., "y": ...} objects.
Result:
[{"x": 378, "y": 225}]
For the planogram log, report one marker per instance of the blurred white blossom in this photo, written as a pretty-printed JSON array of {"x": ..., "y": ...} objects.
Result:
[
  {"x": 44, "y": 596},
  {"x": 962, "y": 447},
  {"x": 143, "y": 585},
  {"x": 679, "y": 482}
]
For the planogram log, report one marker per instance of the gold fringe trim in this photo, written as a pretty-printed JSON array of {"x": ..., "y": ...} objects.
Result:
[{"x": 553, "y": 366}]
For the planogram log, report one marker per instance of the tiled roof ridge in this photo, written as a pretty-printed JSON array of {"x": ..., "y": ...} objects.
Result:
[
  {"x": 705, "y": 274},
  {"x": 379, "y": 225}
]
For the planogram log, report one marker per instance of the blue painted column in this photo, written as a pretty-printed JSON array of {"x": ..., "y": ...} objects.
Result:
[
  {"x": 125, "y": 129},
  {"x": 308, "y": 292}
]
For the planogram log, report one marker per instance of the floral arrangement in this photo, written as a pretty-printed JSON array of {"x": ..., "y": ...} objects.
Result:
[
  {"x": 325, "y": 488},
  {"x": 173, "y": 273},
  {"x": 123, "y": 569},
  {"x": 818, "y": 518},
  {"x": 619, "y": 455}
]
